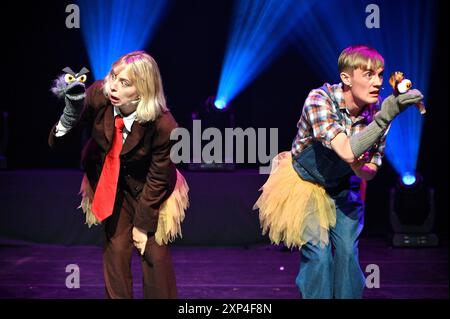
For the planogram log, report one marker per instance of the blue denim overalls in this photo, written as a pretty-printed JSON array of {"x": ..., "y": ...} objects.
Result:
[{"x": 323, "y": 275}]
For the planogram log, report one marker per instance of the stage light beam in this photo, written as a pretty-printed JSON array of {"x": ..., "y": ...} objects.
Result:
[
  {"x": 113, "y": 28},
  {"x": 258, "y": 31}
]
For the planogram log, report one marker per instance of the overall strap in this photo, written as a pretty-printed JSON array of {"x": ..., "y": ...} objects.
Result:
[{"x": 336, "y": 105}]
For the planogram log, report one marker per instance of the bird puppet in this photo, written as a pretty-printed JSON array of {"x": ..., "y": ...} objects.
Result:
[{"x": 400, "y": 85}]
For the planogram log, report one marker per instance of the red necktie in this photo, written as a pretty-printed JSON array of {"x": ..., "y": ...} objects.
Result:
[{"x": 105, "y": 193}]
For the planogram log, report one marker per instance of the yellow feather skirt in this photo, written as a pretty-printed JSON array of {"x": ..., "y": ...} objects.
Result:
[
  {"x": 171, "y": 212},
  {"x": 292, "y": 210}
]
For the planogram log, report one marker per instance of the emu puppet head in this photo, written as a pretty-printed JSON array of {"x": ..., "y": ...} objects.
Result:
[{"x": 399, "y": 83}]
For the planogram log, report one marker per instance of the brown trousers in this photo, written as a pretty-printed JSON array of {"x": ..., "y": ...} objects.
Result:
[{"x": 157, "y": 268}]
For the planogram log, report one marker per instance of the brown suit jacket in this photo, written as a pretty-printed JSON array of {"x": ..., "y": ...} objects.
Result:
[{"x": 146, "y": 171}]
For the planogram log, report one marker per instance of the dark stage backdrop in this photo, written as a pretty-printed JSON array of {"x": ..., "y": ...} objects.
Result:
[{"x": 189, "y": 47}]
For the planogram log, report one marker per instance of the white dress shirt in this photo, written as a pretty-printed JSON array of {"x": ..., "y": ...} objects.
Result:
[{"x": 127, "y": 120}]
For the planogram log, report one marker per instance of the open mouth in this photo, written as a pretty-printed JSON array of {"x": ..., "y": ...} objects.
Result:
[
  {"x": 114, "y": 99},
  {"x": 75, "y": 90}
]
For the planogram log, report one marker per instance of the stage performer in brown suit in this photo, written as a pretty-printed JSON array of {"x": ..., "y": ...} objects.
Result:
[{"x": 130, "y": 183}]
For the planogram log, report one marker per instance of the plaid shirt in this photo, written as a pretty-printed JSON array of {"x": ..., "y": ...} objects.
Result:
[{"x": 319, "y": 121}]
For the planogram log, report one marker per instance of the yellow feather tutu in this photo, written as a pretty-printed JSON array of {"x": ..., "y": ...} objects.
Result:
[
  {"x": 292, "y": 210},
  {"x": 171, "y": 212}
]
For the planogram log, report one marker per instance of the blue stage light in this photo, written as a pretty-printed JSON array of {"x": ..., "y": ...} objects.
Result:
[
  {"x": 258, "y": 30},
  {"x": 408, "y": 179},
  {"x": 220, "y": 104},
  {"x": 330, "y": 26},
  {"x": 113, "y": 28}
]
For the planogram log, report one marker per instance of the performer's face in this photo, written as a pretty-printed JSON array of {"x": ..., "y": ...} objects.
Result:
[
  {"x": 123, "y": 91},
  {"x": 366, "y": 85}
]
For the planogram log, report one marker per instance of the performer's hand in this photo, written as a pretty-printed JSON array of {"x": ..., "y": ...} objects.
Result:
[
  {"x": 139, "y": 239},
  {"x": 394, "y": 105},
  {"x": 359, "y": 162},
  {"x": 363, "y": 171}
]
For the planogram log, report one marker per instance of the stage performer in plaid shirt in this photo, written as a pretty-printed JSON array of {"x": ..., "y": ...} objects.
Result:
[{"x": 312, "y": 198}]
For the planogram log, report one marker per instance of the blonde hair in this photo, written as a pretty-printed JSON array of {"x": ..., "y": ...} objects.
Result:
[
  {"x": 359, "y": 57},
  {"x": 144, "y": 73}
]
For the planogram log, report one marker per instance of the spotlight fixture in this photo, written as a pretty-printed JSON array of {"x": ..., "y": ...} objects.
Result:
[
  {"x": 412, "y": 212},
  {"x": 213, "y": 103},
  {"x": 220, "y": 104},
  {"x": 408, "y": 179},
  {"x": 217, "y": 115}
]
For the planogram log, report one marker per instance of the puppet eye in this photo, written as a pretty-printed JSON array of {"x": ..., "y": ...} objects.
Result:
[
  {"x": 69, "y": 78},
  {"x": 82, "y": 78},
  {"x": 404, "y": 86}
]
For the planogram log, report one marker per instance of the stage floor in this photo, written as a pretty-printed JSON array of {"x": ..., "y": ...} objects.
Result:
[{"x": 39, "y": 271}]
